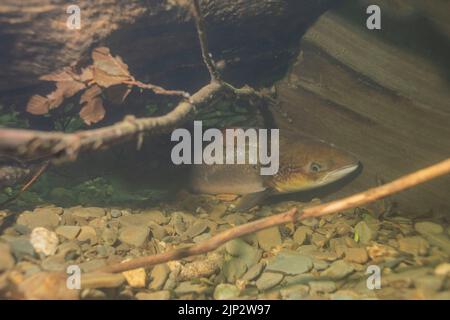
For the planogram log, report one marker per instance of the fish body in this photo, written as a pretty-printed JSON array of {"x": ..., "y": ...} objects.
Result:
[{"x": 304, "y": 164}]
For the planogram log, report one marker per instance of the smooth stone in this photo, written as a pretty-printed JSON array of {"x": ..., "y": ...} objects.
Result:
[
  {"x": 134, "y": 236},
  {"x": 158, "y": 276},
  {"x": 241, "y": 249},
  {"x": 102, "y": 280},
  {"x": 442, "y": 269},
  {"x": 294, "y": 292},
  {"x": 54, "y": 263},
  {"x": 88, "y": 212},
  {"x": 158, "y": 232},
  {"x": 92, "y": 265},
  {"x": 269, "y": 238},
  {"x": 439, "y": 240},
  {"x": 301, "y": 234},
  {"x": 189, "y": 287},
  {"x": 143, "y": 219},
  {"x": 356, "y": 255},
  {"x": 6, "y": 258},
  {"x": 320, "y": 265},
  {"x": 253, "y": 272},
  {"x": 21, "y": 229},
  {"x": 268, "y": 280},
  {"x": 414, "y": 245},
  {"x": 21, "y": 247},
  {"x": 225, "y": 291},
  {"x": 338, "y": 270},
  {"x": 196, "y": 229},
  {"x": 115, "y": 213},
  {"x": 68, "y": 232},
  {"x": 87, "y": 233},
  {"x": 44, "y": 241},
  {"x": 136, "y": 278},
  {"x": 290, "y": 262},
  {"x": 109, "y": 236},
  {"x": 45, "y": 219},
  {"x": 234, "y": 269},
  {"x": 56, "y": 210},
  {"x": 104, "y": 251},
  {"x": 322, "y": 286},
  {"x": 318, "y": 240},
  {"x": 426, "y": 227},
  {"x": 433, "y": 283},
  {"x": 300, "y": 279},
  {"x": 310, "y": 222},
  {"x": 158, "y": 295},
  {"x": 363, "y": 232}
]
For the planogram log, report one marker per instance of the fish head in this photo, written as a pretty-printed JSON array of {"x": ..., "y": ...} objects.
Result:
[{"x": 307, "y": 164}]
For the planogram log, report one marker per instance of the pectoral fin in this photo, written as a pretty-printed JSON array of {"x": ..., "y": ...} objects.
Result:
[{"x": 250, "y": 200}]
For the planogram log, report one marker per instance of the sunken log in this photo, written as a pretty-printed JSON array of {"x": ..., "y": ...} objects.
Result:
[{"x": 387, "y": 100}]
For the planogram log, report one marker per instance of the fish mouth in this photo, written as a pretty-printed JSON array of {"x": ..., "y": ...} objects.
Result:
[{"x": 339, "y": 173}]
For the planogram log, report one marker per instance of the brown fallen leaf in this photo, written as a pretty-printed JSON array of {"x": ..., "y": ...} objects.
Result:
[
  {"x": 38, "y": 105},
  {"x": 66, "y": 74},
  {"x": 109, "y": 70},
  {"x": 90, "y": 93},
  {"x": 93, "y": 111}
]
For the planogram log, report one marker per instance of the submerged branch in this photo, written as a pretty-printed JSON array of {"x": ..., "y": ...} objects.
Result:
[{"x": 292, "y": 215}]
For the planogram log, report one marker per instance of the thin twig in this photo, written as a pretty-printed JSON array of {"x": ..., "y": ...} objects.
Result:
[
  {"x": 201, "y": 31},
  {"x": 292, "y": 215}
]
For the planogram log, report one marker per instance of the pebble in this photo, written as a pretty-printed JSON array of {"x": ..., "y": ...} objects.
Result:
[
  {"x": 6, "y": 258},
  {"x": 196, "y": 229},
  {"x": 442, "y": 269},
  {"x": 203, "y": 268},
  {"x": 269, "y": 238},
  {"x": 253, "y": 272},
  {"x": 88, "y": 212},
  {"x": 45, "y": 219},
  {"x": 134, "y": 236},
  {"x": 115, "y": 213},
  {"x": 158, "y": 295},
  {"x": 357, "y": 255},
  {"x": 143, "y": 219},
  {"x": 234, "y": 269},
  {"x": 322, "y": 286},
  {"x": 225, "y": 291},
  {"x": 433, "y": 283},
  {"x": 301, "y": 234},
  {"x": 290, "y": 262},
  {"x": 320, "y": 265},
  {"x": 189, "y": 287},
  {"x": 318, "y": 240},
  {"x": 92, "y": 265},
  {"x": 158, "y": 276},
  {"x": 44, "y": 241},
  {"x": 109, "y": 236},
  {"x": 54, "y": 263},
  {"x": 102, "y": 280},
  {"x": 87, "y": 234},
  {"x": 268, "y": 280},
  {"x": 310, "y": 222},
  {"x": 247, "y": 253},
  {"x": 21, "y": 247},
  {"x": 414, "y": 245},
  {"x": 363, "y": 233},
  {"x": 68, "y": 232},
  {"x": 427, "y": 227},
  {"x": 49, "y": 209},
  {"x": 136, "y": 278},
  {"x": 294, "y": 292},
  {"x": 338, "y": 270}
]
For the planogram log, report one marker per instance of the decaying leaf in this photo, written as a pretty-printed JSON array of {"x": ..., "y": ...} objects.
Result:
[
  {"x": 38, "y": 105},
  {"x": 90, "y": 94},
  {"x": 109, "y": 70},
  {"x": 93, "y": 111}
]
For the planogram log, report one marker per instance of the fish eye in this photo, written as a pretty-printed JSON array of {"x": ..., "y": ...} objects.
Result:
[{"x": 315, "y": 167}]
